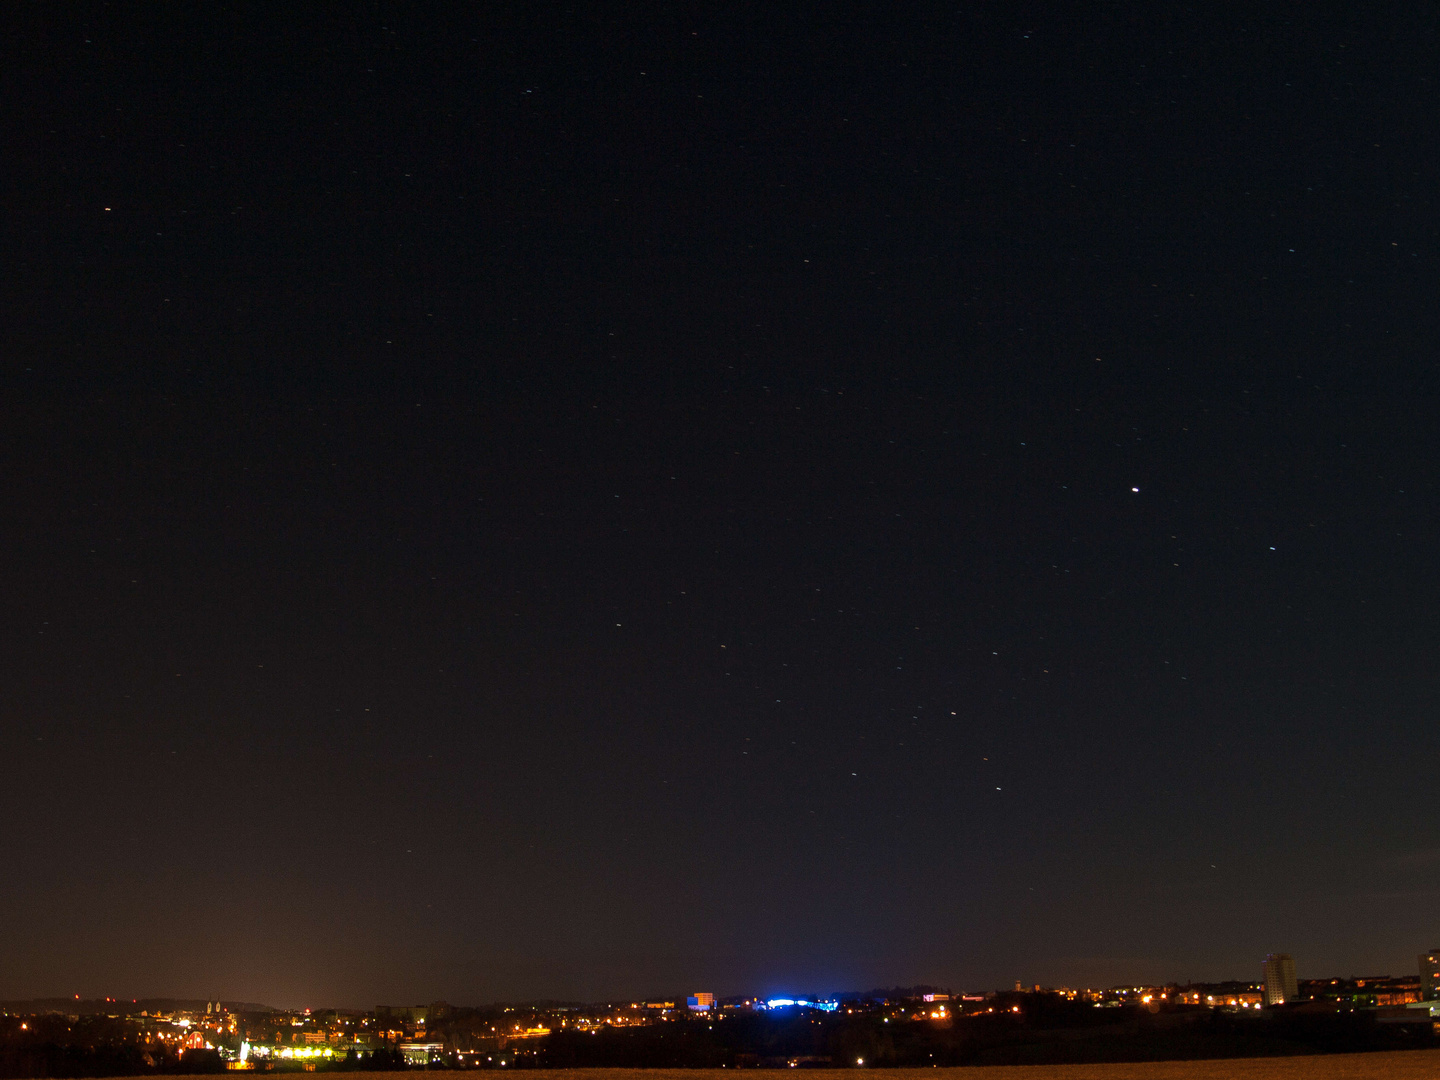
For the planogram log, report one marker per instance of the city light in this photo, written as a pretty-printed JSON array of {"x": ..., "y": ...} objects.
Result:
[
  {"x": 528, "y": 1035},
  {"x": 786, "y": 1003}
]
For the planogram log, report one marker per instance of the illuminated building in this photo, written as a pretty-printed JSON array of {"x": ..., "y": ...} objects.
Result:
[
  {"x": 1430, "y": 975},
  {"x": 421, "y": 1053},
  {"x": 405, "y": 1014},
  {"x": 700, "y": 1002},
  {"x": 786, "y": 1003},
  {"x": 1279, "y": 977}
]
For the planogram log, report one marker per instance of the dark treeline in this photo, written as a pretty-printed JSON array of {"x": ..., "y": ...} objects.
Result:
[
  {"x": 1049, "y": 1030},
  {"x": 77, "y": 1059}
]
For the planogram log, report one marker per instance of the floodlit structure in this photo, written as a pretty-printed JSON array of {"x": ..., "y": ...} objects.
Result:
[
  {"x": 1280, "y": 984},
  {"x": 700, "y": 1002},
  {"x": 1430, "y": 975},
  {"x": 421, "y": 1053}
]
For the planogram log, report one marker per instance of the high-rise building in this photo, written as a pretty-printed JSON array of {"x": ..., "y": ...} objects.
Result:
[
  {"x": 1430, "y": 975},
  {"x": 701, "y": 1002},
  {"x": 1280, "y": 985}
]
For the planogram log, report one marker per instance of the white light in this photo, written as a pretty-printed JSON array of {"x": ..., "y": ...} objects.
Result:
[{"x": 1134, "y": 489}]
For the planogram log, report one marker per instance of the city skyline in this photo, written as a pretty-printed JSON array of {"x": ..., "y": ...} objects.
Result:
[
  {"x": 895, "y": 1026},
  {"x": 1277, "y": 984}
]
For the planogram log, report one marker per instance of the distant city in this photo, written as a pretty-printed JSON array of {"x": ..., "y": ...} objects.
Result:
[{"x": 1277, "y": 1013}]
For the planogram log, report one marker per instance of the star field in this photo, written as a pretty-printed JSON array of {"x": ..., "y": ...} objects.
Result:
[{"x": 557, "y": 504}]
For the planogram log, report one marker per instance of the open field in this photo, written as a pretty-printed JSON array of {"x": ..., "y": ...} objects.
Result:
[{"x": 1394, "y": 1065}]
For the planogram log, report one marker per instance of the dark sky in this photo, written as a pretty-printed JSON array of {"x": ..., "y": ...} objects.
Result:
[{"x": 609, "y": 502}]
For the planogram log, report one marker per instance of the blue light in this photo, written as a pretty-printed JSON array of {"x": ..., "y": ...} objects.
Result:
[{"x": 785, "y": 1003}]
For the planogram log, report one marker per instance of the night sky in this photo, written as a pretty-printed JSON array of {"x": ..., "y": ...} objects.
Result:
[{"x": 613, "y": 502}]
